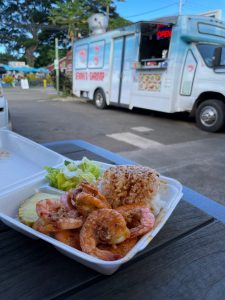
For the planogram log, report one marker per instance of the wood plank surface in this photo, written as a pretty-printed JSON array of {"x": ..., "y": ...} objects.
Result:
[
  {"x": 76, "y": 153},
  {"x": 189, "y": 268},
  {"x": 65, "y": 148},
  {"x": 33, "y": 269},
  {"x": 3, "y": 227},
  {"x": 89, "y": 155}
]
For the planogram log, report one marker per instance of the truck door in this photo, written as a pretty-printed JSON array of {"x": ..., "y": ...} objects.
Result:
[
  {"x": 123, "y": 58},
  {"x": 128, "y": 71},
  {"x": 118, "y": 46},
  {"x": 188, "y": 75}
]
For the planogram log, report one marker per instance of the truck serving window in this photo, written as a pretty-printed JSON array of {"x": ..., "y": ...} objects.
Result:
[
  {"x": 155, "y": 41},
  {"x": 207, "y": 52}
]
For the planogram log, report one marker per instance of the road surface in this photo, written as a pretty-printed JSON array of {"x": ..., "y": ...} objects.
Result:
[{"x": 170, "y": 143}]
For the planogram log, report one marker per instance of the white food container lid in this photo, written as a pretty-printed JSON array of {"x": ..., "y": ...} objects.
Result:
[{"x": 22, "y": 160}]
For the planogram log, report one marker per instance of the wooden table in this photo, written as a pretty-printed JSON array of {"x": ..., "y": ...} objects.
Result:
[{"x": 186, "y": 260}]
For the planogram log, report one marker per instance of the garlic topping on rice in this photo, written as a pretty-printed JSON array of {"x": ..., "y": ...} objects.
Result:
[{"x": 129, "y": 184}]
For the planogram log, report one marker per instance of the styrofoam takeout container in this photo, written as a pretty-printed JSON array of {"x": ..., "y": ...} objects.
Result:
[
  {"x": 22, "y": 159},
  {"x": 171, "y": 193},
  {"x": 22, "y": 174}
]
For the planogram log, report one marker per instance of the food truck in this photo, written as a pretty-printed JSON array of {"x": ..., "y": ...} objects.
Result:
[{"x": 170, "y": 65}]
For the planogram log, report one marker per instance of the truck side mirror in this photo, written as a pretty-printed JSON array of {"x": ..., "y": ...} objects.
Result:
[{"x": 217, "y": 57}]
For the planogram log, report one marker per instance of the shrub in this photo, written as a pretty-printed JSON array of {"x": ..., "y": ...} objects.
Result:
[
  {"x": 65, "y": 82},
  {"x": 8, "y": 79},
  {"x": 33, "y": 80},
  {"x": 31, "y": 76},
  {"x": 49, "y": 80}
]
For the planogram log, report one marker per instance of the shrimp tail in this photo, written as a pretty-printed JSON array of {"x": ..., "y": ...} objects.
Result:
[
  {"x": 69, "y": 223},
  {"x": 106, "y": 255}
]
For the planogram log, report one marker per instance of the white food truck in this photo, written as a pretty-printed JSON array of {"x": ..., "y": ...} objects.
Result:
[{"x": 169, "y": 65}]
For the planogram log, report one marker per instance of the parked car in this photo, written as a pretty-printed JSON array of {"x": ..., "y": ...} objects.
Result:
[{"x": 5, "y": 121}]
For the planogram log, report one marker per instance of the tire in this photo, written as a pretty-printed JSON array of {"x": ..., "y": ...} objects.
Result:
[
  {"x": 100, "y": 99},
  {"x": 210, "y": 115}
]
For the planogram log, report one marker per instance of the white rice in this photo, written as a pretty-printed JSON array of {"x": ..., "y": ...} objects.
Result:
[{"x": 157, "y": 204}]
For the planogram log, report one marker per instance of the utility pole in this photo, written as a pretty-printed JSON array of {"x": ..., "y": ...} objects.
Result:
[
  {"x": 107, "y": 8},
  {"x": 180, "y": 7},
  {"x": 57, "y": 64}
]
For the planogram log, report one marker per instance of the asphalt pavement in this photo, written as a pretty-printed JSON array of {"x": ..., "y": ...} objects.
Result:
[{"x": 170, "y": 143}]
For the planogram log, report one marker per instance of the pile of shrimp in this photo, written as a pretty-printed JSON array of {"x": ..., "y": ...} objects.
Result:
[{"x": 84, "y": 219}]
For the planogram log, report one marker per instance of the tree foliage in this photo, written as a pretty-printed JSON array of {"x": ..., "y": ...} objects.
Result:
[
  {"x": 47, "y": 55},
  {"x": 6, "y": 57},
  {"x": 70, "y": 14},
  {"x": 73, "y": 14},
  {"x": 22, "y": 24},
  {"x": 29, "y": 27}
]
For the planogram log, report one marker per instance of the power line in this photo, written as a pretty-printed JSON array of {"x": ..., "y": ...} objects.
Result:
[
  {"x": 180, "y": 7},
  {"x": 152, "y": 11}
]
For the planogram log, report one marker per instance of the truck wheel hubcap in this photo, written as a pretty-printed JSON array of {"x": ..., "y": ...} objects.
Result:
[
  {"x": 208, "y": 116},
  {"x": 99, "y": 99}
]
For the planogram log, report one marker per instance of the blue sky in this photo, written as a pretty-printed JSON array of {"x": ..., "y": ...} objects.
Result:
[{"x": 137, "y": 10}]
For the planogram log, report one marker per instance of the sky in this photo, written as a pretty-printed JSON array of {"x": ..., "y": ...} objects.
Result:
[{"x": 138, "y": 10}]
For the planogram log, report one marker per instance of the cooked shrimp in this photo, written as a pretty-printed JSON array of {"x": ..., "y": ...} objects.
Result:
[
  {"x": 69, "y": 237},
  {"x": 105, "y": 226},
  {"x": 41, "y": 226},
  {"x": 85, "y": 198},
  {"x": 68, "y": 199},
  {"x": 45, "y": 208},
  {"x": 91, "y": 189},
  {"x": 139, "y": 219},
  {"x": 120, "y": 249},
  {"x": 86, "y": 203},
  {"x": 55, "y": 213}
]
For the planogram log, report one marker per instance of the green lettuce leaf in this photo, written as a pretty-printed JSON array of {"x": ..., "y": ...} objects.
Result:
[{"x": 72, "y": 174}]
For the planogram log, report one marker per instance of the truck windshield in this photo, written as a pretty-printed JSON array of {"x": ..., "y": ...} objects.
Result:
[
  {"x": 207, "y": 52},
  {"x": 155, "y": 41}
]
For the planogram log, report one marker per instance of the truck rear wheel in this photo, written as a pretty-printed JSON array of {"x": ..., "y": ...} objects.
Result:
[
  {"x": 99, "y": 99},
  {"x": 210, "y": 115}
]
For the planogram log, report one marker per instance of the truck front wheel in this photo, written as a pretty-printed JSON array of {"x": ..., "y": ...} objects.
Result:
[
  {"x": 210, "y": 115},
  {"x": 99, "y": 99}
]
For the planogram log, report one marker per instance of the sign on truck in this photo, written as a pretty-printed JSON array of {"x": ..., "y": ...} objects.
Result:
[{"x": 170, "y": 65}]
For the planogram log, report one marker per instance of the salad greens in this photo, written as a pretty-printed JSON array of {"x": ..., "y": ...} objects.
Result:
[{"x": 72, "y": 173}]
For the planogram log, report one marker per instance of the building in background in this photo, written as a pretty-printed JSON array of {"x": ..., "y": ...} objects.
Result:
[
  {"x": 15, "y": 64},
  {"x": 65, "y": 64}
]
